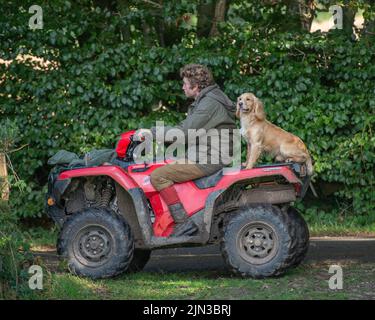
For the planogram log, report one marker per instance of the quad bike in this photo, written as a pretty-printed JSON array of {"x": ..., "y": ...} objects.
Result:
[{"x": 111, "y": 217}]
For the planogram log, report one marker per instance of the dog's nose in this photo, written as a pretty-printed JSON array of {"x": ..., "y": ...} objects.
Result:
[{"x": 240, "y": 103}]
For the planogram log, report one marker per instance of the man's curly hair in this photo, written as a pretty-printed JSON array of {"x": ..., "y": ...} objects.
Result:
[{"x": 197, "y": 74}]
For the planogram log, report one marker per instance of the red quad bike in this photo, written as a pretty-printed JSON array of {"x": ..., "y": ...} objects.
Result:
[{"x": 111, "y": 217}]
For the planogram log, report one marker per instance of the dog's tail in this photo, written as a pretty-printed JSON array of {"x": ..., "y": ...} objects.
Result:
[{"x": 309, "y": 165}]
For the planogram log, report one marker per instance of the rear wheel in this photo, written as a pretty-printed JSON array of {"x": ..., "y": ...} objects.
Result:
[
  {"x": 97, "y": 243},
  {"x": 302, "y": 235},
  {"x": 257, "y": 242}
]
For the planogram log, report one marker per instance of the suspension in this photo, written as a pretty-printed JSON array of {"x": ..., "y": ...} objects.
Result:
[{"x": 104, "y": 195}]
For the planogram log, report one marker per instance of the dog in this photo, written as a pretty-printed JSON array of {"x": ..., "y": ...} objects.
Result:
[{"x": 262, "y": 135}]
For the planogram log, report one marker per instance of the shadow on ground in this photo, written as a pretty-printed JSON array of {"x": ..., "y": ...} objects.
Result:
[{"x": 321, "y": 250}]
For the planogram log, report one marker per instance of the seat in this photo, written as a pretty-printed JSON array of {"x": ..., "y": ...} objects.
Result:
[
  {"x": 209, "y": 181},
  {"x": 212, "y": 180}
]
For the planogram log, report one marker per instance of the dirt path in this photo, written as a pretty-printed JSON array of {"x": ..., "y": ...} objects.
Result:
[
  {"x": 321, "y": 250},
  {"x": 334, "y": 250}
]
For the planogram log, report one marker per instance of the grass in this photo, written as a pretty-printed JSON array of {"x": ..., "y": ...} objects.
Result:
[
  {"x": 308, "y": 281},
  {"x": 39, "y": 237},
  {"x": 326, "y": 216},
  {"x": 326, "y": 224},
  {"x": 341, "y": 230}
]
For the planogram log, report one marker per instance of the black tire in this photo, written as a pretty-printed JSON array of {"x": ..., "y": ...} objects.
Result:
[
  {"x": 140, "y": 259},
  {"x": 97, "y": 243},
  {"x": 302, "y": 236},
  {"x": 258, "y": 242}
]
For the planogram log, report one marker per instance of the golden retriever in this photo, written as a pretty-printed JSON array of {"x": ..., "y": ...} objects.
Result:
[{"x": 262, "y": 135}]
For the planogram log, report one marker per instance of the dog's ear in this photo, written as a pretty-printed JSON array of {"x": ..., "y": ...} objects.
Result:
[
  {"x": 259, "y": 110},
  {"x": 237, "y": 110}
]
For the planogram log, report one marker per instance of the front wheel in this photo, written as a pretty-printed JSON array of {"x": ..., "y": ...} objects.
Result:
[
  {"x": 257, "y": 242},
  {"x": 97, "y": 243}
]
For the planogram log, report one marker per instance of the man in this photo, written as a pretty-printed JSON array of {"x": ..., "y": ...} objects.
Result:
[{"x": 211, "y": 109}]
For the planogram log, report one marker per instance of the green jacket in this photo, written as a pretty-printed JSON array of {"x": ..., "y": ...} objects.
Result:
[{"x": 212, "y": 109}]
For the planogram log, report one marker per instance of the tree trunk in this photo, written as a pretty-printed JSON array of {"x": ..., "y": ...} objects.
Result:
[
  {"x": 106, "y": 4},
  {"x": 301, "y": 14},
  {"x": 348, "y": 20},
  {"x": 206, "y": 14},
  {"x": 292, "y": 22},
  {"x": 368, "y": 25},
  {"x": 306, "y": 12},
  {"x": 123, "y": 8},
  {"x": 146, "y": 32},
  {"x": 4, "y": 186},
  {"x": 220, "y": 12}
]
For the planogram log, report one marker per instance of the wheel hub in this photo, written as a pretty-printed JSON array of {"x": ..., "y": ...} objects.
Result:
[
  {"x": 257, "y": 242},
  {"x": 93, "y": 245}
]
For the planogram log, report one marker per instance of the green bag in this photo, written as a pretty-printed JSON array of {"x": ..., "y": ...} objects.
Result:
[
  {"x": 90, "y": 159},
  {"x": 98, "y": 157},
  {"x": 62, "y": 157}
]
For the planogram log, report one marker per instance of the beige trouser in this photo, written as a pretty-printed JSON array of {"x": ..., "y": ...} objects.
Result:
[{"x": 178, "y": 171}]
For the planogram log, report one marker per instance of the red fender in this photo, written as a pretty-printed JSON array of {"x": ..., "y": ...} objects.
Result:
[
  {"x": 244, "y": 174},
  {"x": 116, "y": 173}
]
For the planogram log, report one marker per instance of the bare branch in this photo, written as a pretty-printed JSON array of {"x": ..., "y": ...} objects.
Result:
[
  {"x": 155, "y": 4},
  {"x": 14, "y": 150}
]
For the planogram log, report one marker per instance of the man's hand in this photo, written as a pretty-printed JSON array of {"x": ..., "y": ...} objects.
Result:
[{"x": 142, "y": 133}]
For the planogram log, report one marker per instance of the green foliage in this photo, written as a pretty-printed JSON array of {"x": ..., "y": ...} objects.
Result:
[
  {"x": 14, "y": 250},
  {"x": 8, "y": 134},
  {"x": 14, "y": 257},
  {"x": 101, "y": 80},
  {"x": 332, "y": 218}
]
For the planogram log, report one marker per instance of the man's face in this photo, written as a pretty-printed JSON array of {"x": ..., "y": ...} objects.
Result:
[{"x": 190, "y": 92}]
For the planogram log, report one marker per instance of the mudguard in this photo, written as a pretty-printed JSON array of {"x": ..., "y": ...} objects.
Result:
[
  {"x": 59, "y": 181},
  {"x": 116, "y": 173}
]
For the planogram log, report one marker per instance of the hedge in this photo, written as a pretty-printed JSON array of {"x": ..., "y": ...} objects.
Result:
[{"x": 320, "y": 86}]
